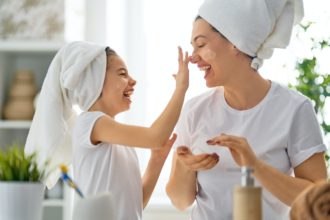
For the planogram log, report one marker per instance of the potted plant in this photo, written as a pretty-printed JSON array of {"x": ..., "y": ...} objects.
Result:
[
  {"x": 21, "y": 192},
  {"x": 312, "y": 83}
]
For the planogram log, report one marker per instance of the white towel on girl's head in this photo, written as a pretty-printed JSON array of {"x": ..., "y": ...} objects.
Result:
[
  {"x": 255, "y": 27},
  {"x": 75, "y": 76}
]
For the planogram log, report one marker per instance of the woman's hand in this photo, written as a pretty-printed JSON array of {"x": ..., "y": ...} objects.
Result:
[
  {"x": 182, "y": 77},
  {"x": 196, "y": 162},
  {"x": 239, "y": 149}
]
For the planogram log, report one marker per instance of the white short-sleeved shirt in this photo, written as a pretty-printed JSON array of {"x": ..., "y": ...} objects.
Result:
[
  {"x": 282, "y": 130},
  {"x": 107, "y": 168}
]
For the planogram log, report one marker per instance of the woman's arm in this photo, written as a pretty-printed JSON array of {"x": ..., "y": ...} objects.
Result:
[
  {"x": 182, "y": 187},
  {"x": 285, "y": 188},
  {"x": 106, "y": 129}
]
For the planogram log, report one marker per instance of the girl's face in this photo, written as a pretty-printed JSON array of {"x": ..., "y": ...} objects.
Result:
[
  {"x": 118, "y": 86},
  {"x": 212, "y": 53}
]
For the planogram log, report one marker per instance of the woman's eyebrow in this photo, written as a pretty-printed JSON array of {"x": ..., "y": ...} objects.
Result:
[{"x": 198, "y": 36}]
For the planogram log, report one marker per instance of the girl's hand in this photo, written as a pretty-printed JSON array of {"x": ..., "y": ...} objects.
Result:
[
  {"x": 196, "y": 162},
  {"x": 239, "y": 149},
  {"x": 162, "y": 152},
  {"x": 182, "y": 77}
]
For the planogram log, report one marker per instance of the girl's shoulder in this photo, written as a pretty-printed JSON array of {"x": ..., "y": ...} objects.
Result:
[{"x": 86, "y": 119}]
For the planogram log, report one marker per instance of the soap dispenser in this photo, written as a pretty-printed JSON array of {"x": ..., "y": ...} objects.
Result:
[{"x": 247, "y": 198}]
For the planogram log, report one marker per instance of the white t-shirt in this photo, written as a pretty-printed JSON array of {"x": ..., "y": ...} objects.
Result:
[
  {"x": 107, "y": 168},
  {"x": 282, "y": 130}
]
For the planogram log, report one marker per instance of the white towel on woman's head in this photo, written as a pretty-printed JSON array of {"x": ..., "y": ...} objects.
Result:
[
  {"x": 255, "y": 27},
  {"x": 75, "y": 76}
]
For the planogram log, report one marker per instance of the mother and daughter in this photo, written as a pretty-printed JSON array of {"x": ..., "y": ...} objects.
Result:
[{"x": 246, "y": 119}]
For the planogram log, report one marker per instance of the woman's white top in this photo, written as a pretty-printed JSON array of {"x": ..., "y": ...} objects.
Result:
[
  {"x": 282, "y": 130},
  {"x": 107, "y": 167}
]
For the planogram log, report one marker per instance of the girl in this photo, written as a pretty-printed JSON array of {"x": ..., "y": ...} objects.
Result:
[{"x": 97, "y": 80}]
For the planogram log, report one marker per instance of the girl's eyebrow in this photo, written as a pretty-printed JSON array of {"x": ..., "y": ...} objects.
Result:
[{"x": 198, "y": 36}]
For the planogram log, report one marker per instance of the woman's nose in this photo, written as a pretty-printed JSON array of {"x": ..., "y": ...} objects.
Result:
[{"x": 194, "y": 58}]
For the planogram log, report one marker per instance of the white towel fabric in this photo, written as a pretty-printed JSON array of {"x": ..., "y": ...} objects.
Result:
[
  {"x": 255, "y": 27},
  {"x": 75, "y": 77}
]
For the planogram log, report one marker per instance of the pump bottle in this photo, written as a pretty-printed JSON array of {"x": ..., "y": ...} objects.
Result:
[{"x": 247, "y": 198}]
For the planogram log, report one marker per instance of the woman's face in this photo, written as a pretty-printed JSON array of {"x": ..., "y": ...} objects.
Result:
[
  {"x": 118, "y": 86},
  {"x": 211, "y": 53}
]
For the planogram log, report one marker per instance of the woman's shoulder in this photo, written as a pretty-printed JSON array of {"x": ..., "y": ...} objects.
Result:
[
  {"x": 289, "y": 95},
  {"x": 204, "y": 98}
]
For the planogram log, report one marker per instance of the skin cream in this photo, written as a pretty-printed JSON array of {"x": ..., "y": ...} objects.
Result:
[{"x": 247, "y": 198}]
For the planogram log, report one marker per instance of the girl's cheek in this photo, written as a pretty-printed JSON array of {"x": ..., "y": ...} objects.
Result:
[
  {"x": 121, "y": 84},
  {"x": 208, "y": 55}
]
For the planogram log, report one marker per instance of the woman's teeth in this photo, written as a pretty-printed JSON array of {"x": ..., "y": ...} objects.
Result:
[{"x": 204, "y": 68}]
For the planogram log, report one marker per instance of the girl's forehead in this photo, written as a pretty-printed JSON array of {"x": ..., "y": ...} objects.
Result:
[{"x": 115, "y": 62}]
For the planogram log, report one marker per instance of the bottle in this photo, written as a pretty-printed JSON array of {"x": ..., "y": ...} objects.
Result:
[
  {"x": 247, "y": 198},
  {"x": 21, "y": 95}
]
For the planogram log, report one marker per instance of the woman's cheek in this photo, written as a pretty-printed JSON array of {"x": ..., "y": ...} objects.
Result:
[{"x": 208, "y": 55}]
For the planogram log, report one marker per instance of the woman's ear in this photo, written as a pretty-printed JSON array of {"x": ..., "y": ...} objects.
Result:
[{"x": 236, "y": 51}]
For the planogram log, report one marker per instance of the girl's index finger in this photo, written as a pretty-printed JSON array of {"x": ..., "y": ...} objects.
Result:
[{"x": 180, "y": 58}]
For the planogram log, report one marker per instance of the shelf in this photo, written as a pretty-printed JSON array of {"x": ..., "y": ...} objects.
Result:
[
  {"x": 30, "y": 46},
  {"x": 53, "y": 203},
  {"x": 11, "y": 124}
]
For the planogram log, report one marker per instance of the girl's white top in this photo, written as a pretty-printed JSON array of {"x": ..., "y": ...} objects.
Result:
[
  {"x": 107, "y": 167},
  {"x": 282, "y": 130}
]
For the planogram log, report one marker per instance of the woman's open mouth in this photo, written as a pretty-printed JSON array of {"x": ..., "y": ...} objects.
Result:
[{"x": 206, "y": 70}]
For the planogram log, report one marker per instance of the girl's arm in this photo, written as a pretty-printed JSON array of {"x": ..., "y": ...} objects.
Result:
[
  {"x": 106, "y": 129},
  {"x": 155, "y": 165}
]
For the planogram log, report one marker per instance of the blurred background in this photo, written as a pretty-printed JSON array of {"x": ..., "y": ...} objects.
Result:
[{"x": 146, "y": 34}]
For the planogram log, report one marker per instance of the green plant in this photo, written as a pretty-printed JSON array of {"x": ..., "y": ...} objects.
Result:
[
  {"x": 15, "y": 165},
  {"x": 312, "y": 83}
]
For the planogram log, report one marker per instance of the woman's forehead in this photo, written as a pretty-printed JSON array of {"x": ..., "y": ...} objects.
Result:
[{"x": 200, "y": 28}]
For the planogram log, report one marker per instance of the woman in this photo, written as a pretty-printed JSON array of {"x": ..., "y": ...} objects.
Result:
[
  {"x": 104, "y": 159},
  {"x": 245, "y": 120}
]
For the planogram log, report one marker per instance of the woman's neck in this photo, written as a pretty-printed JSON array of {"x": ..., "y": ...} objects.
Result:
[{"x": 247, "y": 91}]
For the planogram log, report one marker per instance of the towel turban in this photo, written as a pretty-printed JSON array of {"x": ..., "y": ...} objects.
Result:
[
  {"x": 255, "y": 27},
  {"x": 75, "y": 77}
]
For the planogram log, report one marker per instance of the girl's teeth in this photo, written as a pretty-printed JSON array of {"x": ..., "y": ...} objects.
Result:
[{"x": 128, "y": 93}]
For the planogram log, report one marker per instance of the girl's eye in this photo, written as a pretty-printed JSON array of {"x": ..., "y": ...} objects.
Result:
[{"x": 200, "y": 46}]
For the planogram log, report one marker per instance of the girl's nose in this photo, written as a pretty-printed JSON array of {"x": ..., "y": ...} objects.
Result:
[{"x": 132, "y": 82}]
